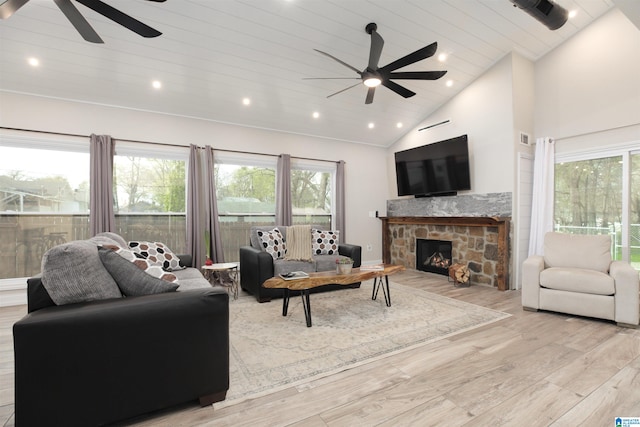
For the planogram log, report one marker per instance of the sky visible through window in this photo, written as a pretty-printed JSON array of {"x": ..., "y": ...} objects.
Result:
[{"x": 35, "y": 163}]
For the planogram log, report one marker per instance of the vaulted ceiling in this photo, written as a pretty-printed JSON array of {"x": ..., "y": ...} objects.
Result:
[{"x": 213, "y": 54}]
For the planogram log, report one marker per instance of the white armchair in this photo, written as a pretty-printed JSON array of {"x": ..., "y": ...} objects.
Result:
[{"x": 577, "y": 276}]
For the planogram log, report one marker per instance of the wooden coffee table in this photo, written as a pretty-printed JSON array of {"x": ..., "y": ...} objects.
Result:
[{"x": 324, "y": 278}]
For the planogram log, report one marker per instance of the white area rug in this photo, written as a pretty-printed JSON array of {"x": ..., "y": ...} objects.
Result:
[{"x": 269, "y": 352}]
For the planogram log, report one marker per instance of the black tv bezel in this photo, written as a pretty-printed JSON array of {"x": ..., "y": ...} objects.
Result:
[{"x": 432, "y": 147}]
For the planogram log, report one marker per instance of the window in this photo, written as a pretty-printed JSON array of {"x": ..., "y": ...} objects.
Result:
[
  {"x": 43, "y": 201},
  {"x": 245, "y": 196},
  {"x": 150, "y": 194},
  {"x": 598, "y": 193},
  {"x": 312, "y": 190},
  {"x": 634, "y": 223}
]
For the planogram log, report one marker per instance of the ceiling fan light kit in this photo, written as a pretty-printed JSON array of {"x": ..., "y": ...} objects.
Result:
[
  {"x": 550, "y": 14},
  {"x": 372, "y": 82},
  {"x": 374, "y": 76}
]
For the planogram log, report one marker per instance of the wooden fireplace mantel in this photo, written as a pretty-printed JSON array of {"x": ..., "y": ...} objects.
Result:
[{"x": 501, "y": 223}]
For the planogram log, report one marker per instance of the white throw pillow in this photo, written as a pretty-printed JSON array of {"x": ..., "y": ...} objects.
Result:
[
  {"x": 325, "y": 242},
  {"x": 273, "y": 243}
]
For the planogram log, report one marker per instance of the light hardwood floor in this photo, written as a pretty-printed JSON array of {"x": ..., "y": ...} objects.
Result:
[{"x": 532, "y": 369}]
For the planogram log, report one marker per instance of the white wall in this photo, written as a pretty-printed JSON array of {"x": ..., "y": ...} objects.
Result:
[
  {"x": 523, "y": 113},
  {"x": 483, "y": 111},
  {"x": 588, "y": 88},
  {"x": 365, "y": 185}
]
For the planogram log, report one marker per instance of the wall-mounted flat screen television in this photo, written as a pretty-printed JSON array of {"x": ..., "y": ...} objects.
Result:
[{"x": 440, "y": 168}]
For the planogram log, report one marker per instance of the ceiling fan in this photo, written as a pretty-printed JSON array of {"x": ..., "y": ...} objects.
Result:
[
  {"x": 8, "y": 7},
  {"x": 373, "y": 76}
]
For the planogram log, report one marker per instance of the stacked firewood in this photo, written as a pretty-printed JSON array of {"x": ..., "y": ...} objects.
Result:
[{"x": 459, "y": 273}]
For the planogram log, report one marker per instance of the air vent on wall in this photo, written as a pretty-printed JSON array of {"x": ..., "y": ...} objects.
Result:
[
  {"x": 524, "y": 138},
  {"x": 431, "y": 126}
]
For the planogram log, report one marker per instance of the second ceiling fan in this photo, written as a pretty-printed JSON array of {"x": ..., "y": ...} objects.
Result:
[
  {"x": 373, "y": 76},
  {"x": 8, "y": 7}
]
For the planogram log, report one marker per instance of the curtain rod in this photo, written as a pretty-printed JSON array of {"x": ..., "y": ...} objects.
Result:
[{"x": 76, "y": 135}]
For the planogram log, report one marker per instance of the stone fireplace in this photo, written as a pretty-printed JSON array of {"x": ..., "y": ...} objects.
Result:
[{"x": 478, "y": 227}]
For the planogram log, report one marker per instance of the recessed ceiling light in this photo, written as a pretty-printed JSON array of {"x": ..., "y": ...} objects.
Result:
[
  {"x": 34, "y": 62},
  {"x": 572, "y": 13},
  {"x": 157, "y": 84},
  {"x": 399, "y": 125},
  {"x": 371, "y": 125},
  {"x": 442, "y": 57},
  {"x": 449, "y": 83},
  {"x": 246, "y": 101},
  {"x": 316, "y": 114}
]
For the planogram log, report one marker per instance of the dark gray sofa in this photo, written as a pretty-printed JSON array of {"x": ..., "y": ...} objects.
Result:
[
  {"x": 94, "y": 363},
  {"x": 256, "y": 266}
]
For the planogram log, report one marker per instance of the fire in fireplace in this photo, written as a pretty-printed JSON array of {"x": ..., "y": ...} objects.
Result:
[{"x": 433, "y": 256}]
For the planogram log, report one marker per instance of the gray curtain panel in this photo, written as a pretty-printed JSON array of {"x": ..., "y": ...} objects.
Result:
[
  {"x": 340, "y": 200},
  {"x": 101, "y": 214},
  {"x": 195, "y": 208},
  {"x": 284, "y": 214},
  {"x": 213, "y": 224}
]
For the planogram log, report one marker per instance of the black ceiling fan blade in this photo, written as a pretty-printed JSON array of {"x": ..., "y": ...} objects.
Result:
[
  {"x": 331, "y": 78},
  {"x": 409, "y": 59},
  {"x": 345, "y": 89},
  {"x": 417, "y": 75},
  {"x": 400, "y": 90},
  {"x": 10, "y": 6},
  {"x": 121, "y": 18},
  {"x": 370, "y": 93},
  {"x": 158, "y": 1},
  {"x": 77, "y": 20},
  {"x": 377, "y": 42},
  {"x": 337, "y": 60}
]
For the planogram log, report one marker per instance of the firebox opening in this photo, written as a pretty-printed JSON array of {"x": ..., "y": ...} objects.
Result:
[{"x": 433, "y": 256}]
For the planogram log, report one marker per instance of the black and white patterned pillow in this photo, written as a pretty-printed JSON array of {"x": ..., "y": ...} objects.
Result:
[
  {"x": 158, "y": 253},
  {"x": 324, "y": 242},
  {"x": 144, "y": 264},
  {"x": 273, "y": 243}
]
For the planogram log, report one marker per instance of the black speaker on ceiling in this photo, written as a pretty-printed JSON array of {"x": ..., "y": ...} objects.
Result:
[{"x": 547, "y": 12}]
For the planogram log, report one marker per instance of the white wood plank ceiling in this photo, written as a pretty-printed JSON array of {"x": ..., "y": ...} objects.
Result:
[{"x": 212, "y": 54}]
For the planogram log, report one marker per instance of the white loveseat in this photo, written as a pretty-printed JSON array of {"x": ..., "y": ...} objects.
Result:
[{"x": 577, "y": 276}]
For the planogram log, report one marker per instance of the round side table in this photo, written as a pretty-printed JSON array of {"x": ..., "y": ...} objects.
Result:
[{"x": 212, "y": 274}]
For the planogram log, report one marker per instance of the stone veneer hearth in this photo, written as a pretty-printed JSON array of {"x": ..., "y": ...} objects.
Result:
[{"x": 478, "y": 226}]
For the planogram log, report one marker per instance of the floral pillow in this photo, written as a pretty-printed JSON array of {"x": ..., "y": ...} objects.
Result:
[
  {"x": 273, "y": 243},
  {"x": 324, "y": 242},
  {"x": 158, "y": 253}
]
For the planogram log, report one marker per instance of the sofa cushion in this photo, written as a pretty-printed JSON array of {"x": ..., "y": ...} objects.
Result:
[
  {"x": 158, "y": 253},
  {"x": 589, "y": 252},
  {"x": 272, "y": 242},
  {"x": 324, "y": 242},
  {"x": 281, "y": 266},
  {"x": 100, "y": 240},
  {"x": 191, "y": 278},
  {"x": 113, "y": 236},
  {"x": 327, "y": 262},
  {"x": 72, "y": 272},
  {"x": 577, "y": 280},
  {"x": 131, "y": 280}
]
